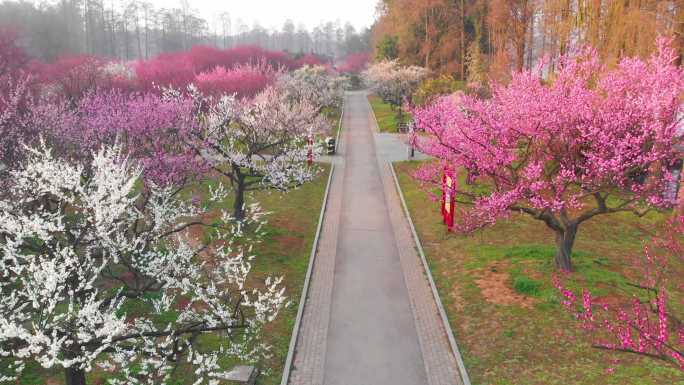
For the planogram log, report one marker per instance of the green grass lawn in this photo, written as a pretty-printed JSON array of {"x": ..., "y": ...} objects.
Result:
[
  {"x": 386, "y": 116},
  {"x": 285, "y": 251},
  {"x": 497, "y": 288}
]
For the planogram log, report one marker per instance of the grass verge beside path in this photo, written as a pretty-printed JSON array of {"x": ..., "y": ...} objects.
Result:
[
  {"x": 497, "y": 289},
  {"x": 285, "y": 251},
  {"x": 385, "y": 115}
]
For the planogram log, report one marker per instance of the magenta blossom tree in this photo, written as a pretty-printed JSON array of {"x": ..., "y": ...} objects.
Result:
[
  {"x": 25, "y": 116},
  {"x": 242, "y": 80},
  {"x": 155, "y": 130},
  {"x": 71, "y": 77},
  {"x": 586, "y": 142},
  {"x": 355, "y": 63},
  {"x": 646, "y": 324}
]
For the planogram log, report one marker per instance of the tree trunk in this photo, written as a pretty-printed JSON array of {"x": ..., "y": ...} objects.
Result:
[
  {"x": 74, "y": 376},
  {"x": 679, "y": 32},
  {"x": 463, "y": 43},
  {"x": 427, "y": 41},
  {"x": 400, "y": 118},
  {"x": 564, "y": 242},
  {"x": 238, "y": 205}
]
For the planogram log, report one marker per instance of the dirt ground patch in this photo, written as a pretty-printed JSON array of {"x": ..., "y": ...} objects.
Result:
[
  {"x": 288, "y": 242},
  {"x": 495, "y": 285},
  {"x": 457, "y": 300}
]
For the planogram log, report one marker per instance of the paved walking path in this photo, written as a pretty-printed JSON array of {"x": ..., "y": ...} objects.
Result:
[{"x": 369, "y": 317}]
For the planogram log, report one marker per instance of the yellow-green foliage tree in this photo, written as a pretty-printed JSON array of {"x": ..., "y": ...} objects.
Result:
[{"x": 431, "y": 88}]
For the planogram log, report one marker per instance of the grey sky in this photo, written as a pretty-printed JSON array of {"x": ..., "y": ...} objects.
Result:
[{"x": 273, "y": 13}]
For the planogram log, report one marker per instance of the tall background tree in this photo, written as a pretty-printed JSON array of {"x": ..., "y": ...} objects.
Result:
[{"x": 516, "y": 34}]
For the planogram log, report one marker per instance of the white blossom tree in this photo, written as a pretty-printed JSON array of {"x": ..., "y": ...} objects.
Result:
[
  {"x": 261, "y": 143},
  {"x": 118, "y": 70},
  {"x": 393, "y": 82},
  {"x": 315, "y": 85},
  {"x": 80, "y": 243}
]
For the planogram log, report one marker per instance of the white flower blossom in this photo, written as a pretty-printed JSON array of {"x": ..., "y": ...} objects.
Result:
[
  {"x": 314, "y": 85},
  {"x": 79, "y": 242}
]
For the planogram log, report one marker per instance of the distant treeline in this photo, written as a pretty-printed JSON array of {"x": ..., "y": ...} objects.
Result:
[{"x": 128, "y": 30}]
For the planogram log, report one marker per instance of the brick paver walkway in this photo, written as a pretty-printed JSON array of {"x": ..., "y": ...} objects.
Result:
[{"x": 369, "y": 317}]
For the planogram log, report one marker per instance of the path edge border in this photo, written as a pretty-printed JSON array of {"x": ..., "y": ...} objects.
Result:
[
  {"x": 307, "y": 280},
  {"x": 438, "y": 300},
  {"x": 312, "y": 257},
  {"x": 376, "y": 126}
]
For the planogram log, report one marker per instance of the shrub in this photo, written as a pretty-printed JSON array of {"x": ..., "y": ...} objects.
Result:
[
  {"x": 527, "y": 286},
  {"x": 432, "y": 88}
]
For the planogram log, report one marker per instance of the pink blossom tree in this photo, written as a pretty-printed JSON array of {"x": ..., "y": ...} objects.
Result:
[
  {"x": 71, "y": 77},
  {"x": 25, "y": 116},
  {"x": 179, "y": 69},
  {"x": 355, "y": 63},
  {"x": 260, "y": 142},
  {"x": 589, "y": 141},
  {"x": 646, "y": 324},
  {"x": 309, "y": 60},
  {"x": 166, "y": 70}
]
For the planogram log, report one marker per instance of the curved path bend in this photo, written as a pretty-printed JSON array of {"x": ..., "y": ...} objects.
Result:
[{"x": 369, "y": 316}]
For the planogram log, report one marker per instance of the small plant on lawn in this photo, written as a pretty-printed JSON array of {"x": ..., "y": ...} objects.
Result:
[
  {"x": 588, "y": 141},
  {"x": 646, "y": 324},
  {"x": 79, "y": 244},
  {"x": 431, "y": 89},
  {"x": 527, "y": 286}
]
